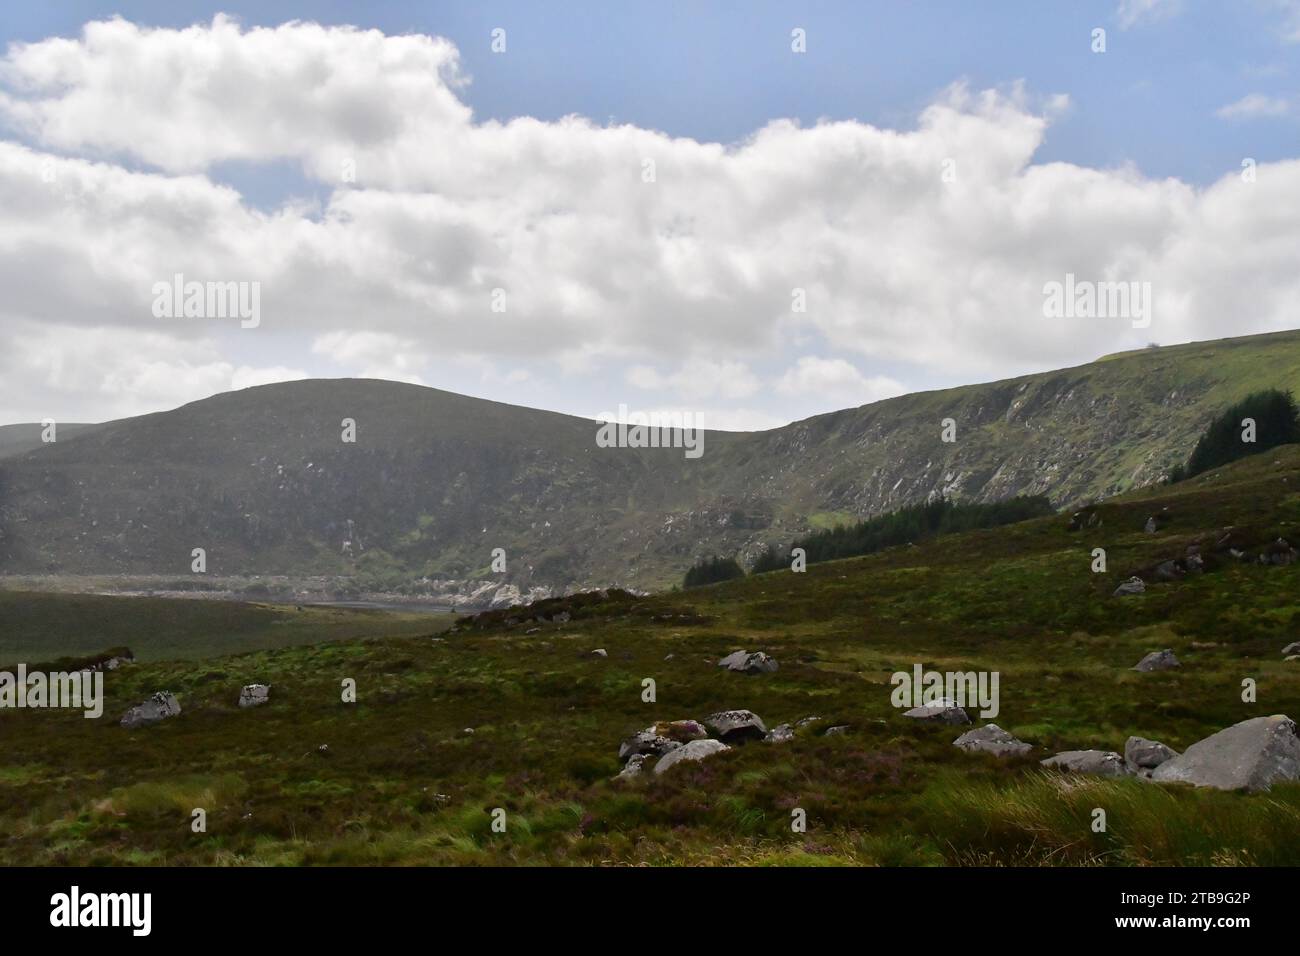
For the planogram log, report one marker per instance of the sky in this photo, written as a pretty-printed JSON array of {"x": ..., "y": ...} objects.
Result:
[{"x": 750, "y": 211}]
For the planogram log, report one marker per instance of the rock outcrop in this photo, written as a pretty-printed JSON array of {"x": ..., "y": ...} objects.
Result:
[
  {"x": 747, "y": 663},
  {"x": 254, "y": 695},
  {"x": 695, "y": 750},
  {"x": 1102, "y": 763},
  {"x": 735, "y": 726},
  {"x": 1158, "y": 661},
  {"x": 156, "y": 708},
  {"x": 1141, "y": 756},
  {"x": 1251, "y": 755},
  {"x": 992, "y": 739}
]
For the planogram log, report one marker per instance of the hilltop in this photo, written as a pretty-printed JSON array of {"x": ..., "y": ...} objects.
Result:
[{"x": 435, "y": 481}]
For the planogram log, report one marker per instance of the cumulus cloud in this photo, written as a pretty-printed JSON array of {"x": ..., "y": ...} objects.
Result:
[
  {"x": 838, "y": 380},
  {"x": 113, "y": 373},
  {"x": 544, "y": 248},
  {"x": 1254, "y": 106},
  {"x": 1133, "y": 12},
  {"x": 699, "y": 378}
]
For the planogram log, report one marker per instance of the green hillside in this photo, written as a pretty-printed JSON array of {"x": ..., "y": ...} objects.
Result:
[
  {"x": 402, "y": 780},
  {"x": 435, "y": 481}
]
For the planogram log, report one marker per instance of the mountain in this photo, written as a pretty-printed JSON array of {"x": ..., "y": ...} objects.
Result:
[
  {"x": 512, "y": 709},
  {"x": 262, "y": 480},
  {"x": 25, "y": 437}
]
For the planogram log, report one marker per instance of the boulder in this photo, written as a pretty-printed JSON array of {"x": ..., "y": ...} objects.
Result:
[
  {"x": 1151, "y": 526},
  {"x": 735, "y": 726},
  {"x": 1158, "y": 661},
  {"x": 1141, "y": 754},
  {"x": 1251, "y": 755},
  {"x": 600, "y": 652},
  {"x": 1168, "y": 571},
  {"x": 646, "y": 742},
  {"x": 158, "y": 707},
  {"x": 683, "y": 731},
  {"x": 836, "y": 730},
  {"x": 780, "y": 734},
  {"x": 992, "y": 739},
  {"x": 1103, "y": 763},
  {"x": 746, "y": 663},
  {"x": 695, "y": 750},
  {"x": 943, "y": 711},
  {"x": 1292, "y": 648},
  {"x": 1133, "y": 585},
  {"x": 632, "y": 768},
  {"x": 254, "y": 695}
]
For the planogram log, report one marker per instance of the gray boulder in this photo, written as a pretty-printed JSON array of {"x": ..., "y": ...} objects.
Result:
[
  {"x": 1103, "y": 763},
  {"x": 746, "y": 663},
  {"x": 1292, "y": 648},
  {"x": 1158, "y": 661},
  {"x": 780, "y": 734},
  {"x": 943, "y": 711},
  {"x": 1141, "y": 754},
  {"x": 158, "y": 707},
  {"x": 1151, "y": 526},
  {"x": 836, "y": 730},
  {"x": 695, "y": 750},
  {"x": 646, "y": 742},
  {"x": 632, "y": 768},
  {"x": 600, "y": 652},
  {"x": 254, "y": 695},
  {"x": 1251, "y": 755},
  {"x": 992, "y": 739},
  {"x": 735, "y": 726},
  {"x": 1133, "y": 585}
]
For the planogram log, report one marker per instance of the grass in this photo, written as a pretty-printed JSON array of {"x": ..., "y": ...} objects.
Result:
[
  {"x": 402, "y": 783},
  {"x": 49, "y": 626}
]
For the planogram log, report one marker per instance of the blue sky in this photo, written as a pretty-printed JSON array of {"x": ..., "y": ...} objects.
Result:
[
  {"x": 718, "y": 71},
  {"x": 1150, "y": 134}
]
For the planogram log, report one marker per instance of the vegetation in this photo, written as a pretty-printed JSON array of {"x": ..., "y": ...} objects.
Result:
[
  {"x": 261, "y": 479},
  {"x": 402, "y": 783},
  {"x": 712, "y": 570},
  {"x": 906, "y": 526},
  {"x": 1277, "y": 422},
  {"x": 55, "y": 626}
]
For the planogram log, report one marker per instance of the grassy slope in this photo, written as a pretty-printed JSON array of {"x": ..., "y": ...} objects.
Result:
[
  {"x": 26, "y": 436},
  {"x": 50, "y": 626},
  {"x": 435, "y": 481},
  {"x": 548, "y": 719}
]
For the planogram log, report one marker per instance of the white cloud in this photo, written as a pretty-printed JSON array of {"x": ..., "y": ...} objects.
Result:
[
  {"x": 699, "y": 378},
  {"x": 1133, "y": 12},
  {"x": 684, "y": 282},
  {"x": 374, "y": 355},
  {"x": 1254, "y": 106},
  {"x": 837, "y": 380},
  {"x": 100, "y": 373}
]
